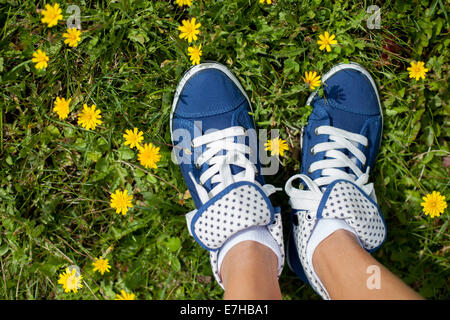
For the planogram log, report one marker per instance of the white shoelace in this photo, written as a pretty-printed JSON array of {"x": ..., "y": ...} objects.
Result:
[
  {"x": 219, "y": 171},
  {"x": 334, "y": 159}
]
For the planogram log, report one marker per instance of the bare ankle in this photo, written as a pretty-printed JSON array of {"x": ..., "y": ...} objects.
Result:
[
  {"x": 249, "y": 270},
  {"x": 331, "y": 249},
  {"x": 247, "y": 252},
  {"x": 335, "y": 240}
]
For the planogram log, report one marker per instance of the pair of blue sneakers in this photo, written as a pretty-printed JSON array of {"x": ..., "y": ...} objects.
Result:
[{"x": 212, "y": 133}]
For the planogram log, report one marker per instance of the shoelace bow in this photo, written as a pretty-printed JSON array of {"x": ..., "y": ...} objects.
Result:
[
  {"x": 219, "y": 172},
  {"x": 334, "y": 159}
]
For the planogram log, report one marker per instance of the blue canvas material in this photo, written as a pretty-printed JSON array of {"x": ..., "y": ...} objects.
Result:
[
  {"x": 349, "y": 102},
  {"x": 211, "y": 98}
]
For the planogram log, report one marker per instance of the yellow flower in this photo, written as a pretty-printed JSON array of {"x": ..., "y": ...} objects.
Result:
[
  {"x": 184, "y": 2},
  {"x": 189, "y": 30},
  {"x": 434, "y": 204},
  {"x": 101, "y": 265},
  {"x": 133, "y": 138},
  {"x": 149, "y": 155},
  {"x": 61, "y": 107},
  {"x": 51, "y": 15},
  {"x": 326, "y": 40},
  {"x": 125, "y": 296},
  {"x": 72, "y": 37},
  {"x": 268, "y": 1},
  {"x": 40, "y": 58},
  {"x": 312, "y": 79},
  {"x": 417, "y": 70},
  {"x": 89, "y": 118},
  {"x": 276, "y": 146},
  {"x": 121, "y": 201},
  {"x": 70, "y": 281},
  {"x": 195, "y": 53}
]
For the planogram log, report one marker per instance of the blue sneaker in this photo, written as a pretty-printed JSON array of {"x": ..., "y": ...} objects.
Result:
[
  {"x": 215, "y": 145},
  {"x": 339, "y": 147}
]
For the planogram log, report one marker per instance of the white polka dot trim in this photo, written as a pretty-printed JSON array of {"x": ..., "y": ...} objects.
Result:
[
  {"x": 344, "y": 201},
  {"x": 347, "y": 202},
  {"x": 236, "y": 209}
]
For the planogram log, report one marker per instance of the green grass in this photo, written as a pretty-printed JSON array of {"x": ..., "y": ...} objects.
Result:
[{"x": 56, "y": 178}]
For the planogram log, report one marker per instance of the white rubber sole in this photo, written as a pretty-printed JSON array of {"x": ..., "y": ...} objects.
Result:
[{"x": 194, "y": 70}]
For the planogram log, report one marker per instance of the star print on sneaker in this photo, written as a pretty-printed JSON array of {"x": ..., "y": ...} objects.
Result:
[
  {"x": 212, "y": 132},
  {"x": 339, "y": 146}
]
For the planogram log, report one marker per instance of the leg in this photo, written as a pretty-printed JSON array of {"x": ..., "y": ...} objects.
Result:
[
  {"x": 339, "y": 147},
  {"x": 254, "y": 277},
  {"x": 210, "y": 127},
  {"x": 341, "y": 264}
]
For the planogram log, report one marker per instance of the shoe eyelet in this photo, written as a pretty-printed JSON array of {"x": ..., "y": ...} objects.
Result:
[
  {"x": 316, "y": 131},
  {"x": 312, "y": 151},
  {"x": 197, "y": 166},
  {"x": 308, "y": 217}
]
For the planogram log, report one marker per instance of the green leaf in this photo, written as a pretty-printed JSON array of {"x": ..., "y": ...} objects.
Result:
[
  {"x": 138, "y": 35},
  {"x": 125, "y": 153},
  {"x": 79, "y": 144},
  {"x": 173, "y": 244},
  {"x": 151, "y": 178},
  {"x": 428, "y": 158},
  {"x": 3, "y": 249},
  {"x": 102, "y": 165},
  {"x": 93, "y": 155},
  {"x": 9, "y": 160},
  {"x": 397, "y": 110},
  {"x": 102, "y": 145},
  {"x": 175, "y": 263},
  {"x": 291, "y": 66},
  {"x": 37, "y": 230},
  {"x": 52, "y": 130},
  {"x": 51, "y": 266},
  {"x": 134, "y": 276}
]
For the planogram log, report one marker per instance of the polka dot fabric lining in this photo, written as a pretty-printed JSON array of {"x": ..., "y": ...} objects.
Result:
[
  {"x": 240, "y": 208},
  {"x": 347, "y": 202}
]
